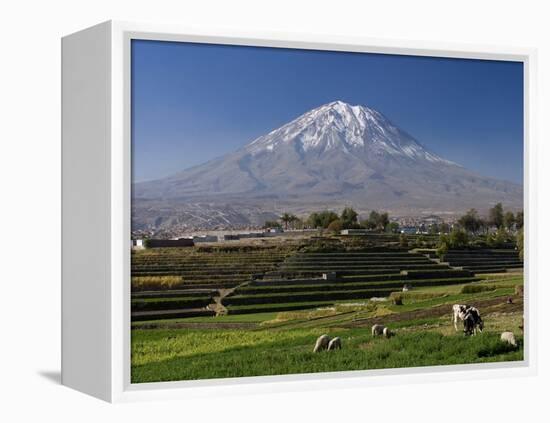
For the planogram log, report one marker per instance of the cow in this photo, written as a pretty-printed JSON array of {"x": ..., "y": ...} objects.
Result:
[{"x": 462, "y": 311}]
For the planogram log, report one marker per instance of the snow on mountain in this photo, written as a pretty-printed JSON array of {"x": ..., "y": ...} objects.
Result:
[{"x": 340, "y": 125}]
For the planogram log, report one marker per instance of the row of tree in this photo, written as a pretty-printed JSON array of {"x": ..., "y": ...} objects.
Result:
[
  {"x": 497, "y": 218},
  {"x": 330, "y": 220}
]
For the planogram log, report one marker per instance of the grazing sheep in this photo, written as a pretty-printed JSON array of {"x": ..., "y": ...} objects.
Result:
[
  {"x": 322, "y": 343},
  {"x": 377, "y": 329},
  {"x": 509, "y": 338},
  {"x": 335, "y": 344}
]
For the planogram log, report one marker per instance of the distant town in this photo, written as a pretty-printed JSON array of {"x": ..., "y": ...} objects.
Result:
[{"x": 348, "y": 223}]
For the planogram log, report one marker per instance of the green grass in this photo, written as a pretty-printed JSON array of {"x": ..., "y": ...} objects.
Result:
[
  {"x": 229, "y": 318},
  {"x": 144, "y": 304},
  {"x": 262, "y": 308},
  {"x": 164, "y": 355},
  {"x": 282, "y": 342}
]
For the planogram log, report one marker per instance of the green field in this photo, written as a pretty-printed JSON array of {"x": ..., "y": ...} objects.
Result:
[{"x": 216, "y": 312}]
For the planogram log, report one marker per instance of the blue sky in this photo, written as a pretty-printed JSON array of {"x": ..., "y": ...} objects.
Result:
[{"x": 194, "y": 102}]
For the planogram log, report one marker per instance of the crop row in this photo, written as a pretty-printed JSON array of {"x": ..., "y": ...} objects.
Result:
[
  {"x": 169, "y": 303},
  {"x": 170, "y": 314},
  {"x": 328, "y": 267},
  {"x": 174, "y": 293},
  {"x": 263, "y": 308},
  {"x": 265, "y": 290}
]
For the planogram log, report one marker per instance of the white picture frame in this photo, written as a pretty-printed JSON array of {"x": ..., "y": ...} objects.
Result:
[{"x": 96, "y": 226}]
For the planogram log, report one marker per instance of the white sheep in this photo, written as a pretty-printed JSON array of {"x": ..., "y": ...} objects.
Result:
[
  {"x": 335, "y": 344},
  {"x": 322, "y": 343},
  {"x": 378, "y": 329},
  {"x": 509, "y": 338}
]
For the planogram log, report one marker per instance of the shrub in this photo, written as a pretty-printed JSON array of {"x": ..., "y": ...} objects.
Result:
[
  {"x": 335, "y": 226},
  {"x": 144, "y": 283},
  {"x": 458, "y": 238},
  {"x": 443, "y": 249},
  {"x": 474, "y": 289},
  {"x": 519, "y": 243},
  {"x": 396, "y": 298},
  {"x": 519, "y": 290}
]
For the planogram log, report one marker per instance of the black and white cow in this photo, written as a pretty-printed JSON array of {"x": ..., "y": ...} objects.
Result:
[{"x": 470, "y": 316}]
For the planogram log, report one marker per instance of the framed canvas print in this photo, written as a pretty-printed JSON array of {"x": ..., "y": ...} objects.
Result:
[{"x": 268, "y": 212}]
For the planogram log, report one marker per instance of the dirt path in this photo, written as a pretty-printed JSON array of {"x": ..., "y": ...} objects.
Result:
[
  {"x": 217, "y": 306},
  {"x": 485, "y": 306}
]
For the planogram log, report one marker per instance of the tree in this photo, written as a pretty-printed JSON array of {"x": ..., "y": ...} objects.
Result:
[
  {"x": 335, "y": 226},
  {"x": 384, "y": 220},
  {"x": 272, "y": 224},
  {"x": 348, "y": 217},
  {"x": 496, "y": 215},
  {"x": 392, "y": 227},
  {"x": 403, "y": 242},
  {"x": 443, "y": 245},
  {"x": 377, "y": 221},
  {"x": 372, "y": 221},
  {"x": 519, "y": 219},
  {"x": 321, "y": 219},
  {"x": 509, "y": 220},
  {"x": 470, "y": 221},
  {"x": 519, "y": 243},
  {"x": 499, "y": 238},
  {"x": 286, "y": 219},
  {"x": 433, "y": 229},
  {"x": 458, "y": 238},
  {"x": 484, "y": 225}
]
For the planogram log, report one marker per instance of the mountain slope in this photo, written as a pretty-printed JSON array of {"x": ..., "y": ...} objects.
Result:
[{"x": 333, "y": 154}]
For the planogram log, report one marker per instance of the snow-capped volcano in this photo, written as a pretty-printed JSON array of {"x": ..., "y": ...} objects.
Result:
[
  {"x": 334, "y": 155},
  {"x": 338, "y": 125}
]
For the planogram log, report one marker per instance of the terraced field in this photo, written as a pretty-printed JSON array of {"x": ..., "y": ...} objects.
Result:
[
  {"x": 186, "y": 282},
  {"x": 191, "y": 282},
  {"x": 275, "y": 343},
  {"x": 484, "y": 261},
  {"x": 309, "y": 280},
  {"x": 203, "y": 313}
]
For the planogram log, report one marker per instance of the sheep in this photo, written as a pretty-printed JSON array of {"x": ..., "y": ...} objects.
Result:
[
  {"x": 335, "y": 344},
  {"x": 509, "y": 338},
  {"x": 381, "y": 330},
  {"x": 377, "y": 329},
  {"x": 322, "y": 343}
]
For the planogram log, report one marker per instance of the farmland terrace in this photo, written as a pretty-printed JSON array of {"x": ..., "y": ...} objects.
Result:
[{"x": 179, "y": 283}]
